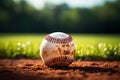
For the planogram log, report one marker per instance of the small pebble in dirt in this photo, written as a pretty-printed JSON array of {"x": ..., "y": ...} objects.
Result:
[
  {"x": 98, "y": 74},
  {"x": 82, "y": 72}
]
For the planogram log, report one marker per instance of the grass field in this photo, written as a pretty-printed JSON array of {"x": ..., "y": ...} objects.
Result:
[{"x": 89, "y": 47}]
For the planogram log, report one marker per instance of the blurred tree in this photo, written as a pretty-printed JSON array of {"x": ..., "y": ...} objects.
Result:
[
  {"x": 69, "y": 19},
  {"x": 57, "y": 12},
  {"x": 6, "y": 11},
  {"x": 108, "y": 17}
]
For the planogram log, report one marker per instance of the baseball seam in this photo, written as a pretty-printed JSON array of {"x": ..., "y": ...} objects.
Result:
[
  {"x": 61, "y": 59},
  {"x": 57, "y": 40}
]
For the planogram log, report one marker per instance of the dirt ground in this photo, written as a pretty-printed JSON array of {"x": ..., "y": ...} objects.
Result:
[{"x": 34, "y": 69}]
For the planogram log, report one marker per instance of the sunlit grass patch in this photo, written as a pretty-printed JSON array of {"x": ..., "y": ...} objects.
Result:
[{"x": 20, "y": 46}]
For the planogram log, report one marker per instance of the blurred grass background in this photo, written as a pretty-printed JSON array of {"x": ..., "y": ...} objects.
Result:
[{"x": 89, "y": 47}]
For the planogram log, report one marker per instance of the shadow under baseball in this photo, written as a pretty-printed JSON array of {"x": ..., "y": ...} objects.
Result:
[{"x": 88, "y": 69}]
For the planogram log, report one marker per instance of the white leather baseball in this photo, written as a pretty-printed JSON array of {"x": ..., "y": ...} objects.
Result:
[{"x": 57, "y": 49}]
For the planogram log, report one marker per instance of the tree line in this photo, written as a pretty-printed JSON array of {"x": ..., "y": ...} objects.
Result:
[{"x": 21, "y": 17}]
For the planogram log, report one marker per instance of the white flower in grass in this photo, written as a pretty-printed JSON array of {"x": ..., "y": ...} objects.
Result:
[
  {"x": 18, "y": 44},
  {"x": 23, "y": 45},
  {"x": 105, "y": 49},
  {"x": 101, "y": 45},
  {"x": 115, "y": 53},
  {"x": 28, "y": 43},
  {"x": 78, "y": 51}
]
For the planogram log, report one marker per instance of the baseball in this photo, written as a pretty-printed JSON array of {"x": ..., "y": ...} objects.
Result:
[{"x": 57, "y": 49}]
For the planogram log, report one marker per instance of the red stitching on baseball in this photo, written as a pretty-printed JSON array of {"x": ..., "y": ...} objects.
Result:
[{"x": 56, "y": 40}]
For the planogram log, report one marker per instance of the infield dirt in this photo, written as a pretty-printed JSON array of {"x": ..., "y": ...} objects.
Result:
[{"x": 34, "y": 69}]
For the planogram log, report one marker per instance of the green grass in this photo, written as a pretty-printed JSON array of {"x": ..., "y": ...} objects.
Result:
[{"x": 89, "y": 47}]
